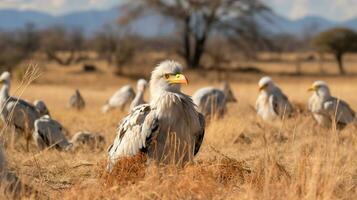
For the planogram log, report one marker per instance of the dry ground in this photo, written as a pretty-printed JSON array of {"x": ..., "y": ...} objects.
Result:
[{"x": 241, "y": 157}]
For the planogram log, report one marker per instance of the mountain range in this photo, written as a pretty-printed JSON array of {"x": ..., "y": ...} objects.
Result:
[{"x": 153, "y": 24}]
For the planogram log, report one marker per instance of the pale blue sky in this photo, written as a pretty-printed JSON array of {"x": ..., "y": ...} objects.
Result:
[
  {"x": 336, "y": 10},
  {"x": 57, "y": 7}
]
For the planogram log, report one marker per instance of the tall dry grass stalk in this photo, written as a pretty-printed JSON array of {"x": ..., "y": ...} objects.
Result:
[
  {"x": 10, "y": 185},
  {"x": 31, "y": 74}
]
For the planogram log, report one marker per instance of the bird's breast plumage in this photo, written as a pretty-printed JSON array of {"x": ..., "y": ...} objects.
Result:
[
  {"x": 264, "y": 106},
  {"x": 177, "y": 110}
]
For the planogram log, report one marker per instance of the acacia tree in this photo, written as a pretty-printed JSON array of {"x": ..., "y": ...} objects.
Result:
[
  {"x": 197, "y": 19},
  {"x": 337, "y": 41}
]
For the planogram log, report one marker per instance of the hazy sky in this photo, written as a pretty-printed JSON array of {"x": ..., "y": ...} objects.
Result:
[
  {"x": 331, "y": 9},
  {"x": 58, "y": 7}
]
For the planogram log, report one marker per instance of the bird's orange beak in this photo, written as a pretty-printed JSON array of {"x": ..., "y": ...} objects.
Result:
[
  {"x": 178, "y": 79},
  {"x": 312, "y": 88}
]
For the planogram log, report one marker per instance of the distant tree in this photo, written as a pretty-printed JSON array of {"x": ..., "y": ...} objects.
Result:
[
  {"x": 18, "y": 45},
  {"x": 116, "y": 44},
  {"x": 105, "y": 43},
  {"x": 12, "y": 53},
  {"x": 61, "y": 45},
  {"x": 53, "y": 41},
  {"x": 125, "y": 52},
  {"x": 197, "y": 19},
  {"x": 337, "y": 41},
  {"x": 77, "y": 44},
  {"x": 29, "y": 39}
]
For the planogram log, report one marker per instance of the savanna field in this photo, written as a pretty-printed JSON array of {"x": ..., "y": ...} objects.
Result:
[{"x": 241, "y": 157}]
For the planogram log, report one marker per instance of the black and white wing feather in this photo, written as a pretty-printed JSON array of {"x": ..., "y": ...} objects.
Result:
[
  {"x": 133, "y": 135},
  {"x": 281, "y": 105}
]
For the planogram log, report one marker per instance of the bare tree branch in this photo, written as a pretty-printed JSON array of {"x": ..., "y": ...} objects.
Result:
[{"x": 197, "y": 19}]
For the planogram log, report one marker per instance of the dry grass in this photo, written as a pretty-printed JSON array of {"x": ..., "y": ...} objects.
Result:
[{"x": 241, "y": 157}]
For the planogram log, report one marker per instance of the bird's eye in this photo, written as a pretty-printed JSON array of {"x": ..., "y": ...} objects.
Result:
[{"x": 167, "y": 76}]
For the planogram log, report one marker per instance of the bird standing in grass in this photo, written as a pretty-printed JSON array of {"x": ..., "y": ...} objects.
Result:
[
  {"x": 139, "y": 97},
  {"x": 212, "y": 101},
  {"x": 272, "y": 103},
  {"x": 120, "y": 99},
  {"x": 327, "y": 109},
  {"x": 126, "y": 96},
  {"x": 16, "y": 112},
  {"x": 76, "y": 101},
  {"x": 168, "y": 129}
]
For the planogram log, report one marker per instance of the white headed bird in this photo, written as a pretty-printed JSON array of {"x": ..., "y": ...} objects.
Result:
[
  {"x": 16, "y": 112},
  {"x": 272, "y": 103},
  {"x": 168, "y": 129},
  {"x": 327, "y": 109},
  {"x": 139, "y": 97},
  {"x": 120, "y": 99},
  {"x": 126, "y": 96},
  {"x": 212, "y": 101}
]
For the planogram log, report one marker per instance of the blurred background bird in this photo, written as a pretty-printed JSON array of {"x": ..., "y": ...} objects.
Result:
[
  {"x": 76, "y": 101},
  {"x": 328, "y": 110},
  {"x": 48, "y": 132},
  {"x": 86, "y": 139},
  {"x": 17, "y": 113},
  {"x": 140, "y": 91},
  {"x": 212, "y": 102},
  {"x": 126, "y": 96},
  {"x": 272, "y": 103},
  {"x": 41, "y": 107}
]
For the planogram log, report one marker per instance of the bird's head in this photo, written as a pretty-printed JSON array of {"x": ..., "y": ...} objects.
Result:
[
  {"x": 228, "y": 92},
  {"x": 266, "y": 84},
  {"x": 77, "y": 93},
  {"x": 167, "y": 76},
  {"x": 141, "y": 85},
  {"x": 5, "y": 77},
  {"x": 41, "y": 106},
  {"x": 320, "y": 87}
]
